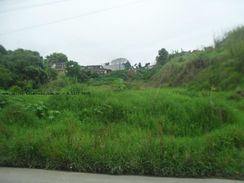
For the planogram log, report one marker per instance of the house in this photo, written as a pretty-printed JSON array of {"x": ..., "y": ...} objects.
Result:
[
  {"x": 96, "y": 69},
  {"x": 117, "y": 64},
  {"x": 59, "y": 66}
]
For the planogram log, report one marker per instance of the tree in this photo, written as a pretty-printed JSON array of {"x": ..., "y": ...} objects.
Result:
[
  {"x": 74, "y": 71},
  {"x": 56, "y": 58},
  {"x": 147, "y": 65},
  {"x": 35, "y": 74},
  {"x": 139, "y": 65},
  {"x": 6, "y": 78},
  {"x": 51, "y": 73},
  {"x": 162, "y": 57},
  {"x": 22, "y": 65},
  {"x": 3, "y": 50},
  {"x": 127, "y": 65}
]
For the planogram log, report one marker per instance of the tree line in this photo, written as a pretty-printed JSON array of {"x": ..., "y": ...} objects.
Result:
[{"x": 25, "y": 70}]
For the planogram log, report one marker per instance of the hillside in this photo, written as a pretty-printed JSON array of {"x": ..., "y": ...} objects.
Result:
[{"x": 221, "y": 67}]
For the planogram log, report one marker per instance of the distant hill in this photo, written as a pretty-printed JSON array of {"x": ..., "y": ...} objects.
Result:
[{"x": 220, "y": 67}]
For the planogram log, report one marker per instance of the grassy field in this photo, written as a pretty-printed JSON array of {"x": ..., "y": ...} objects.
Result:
[{"x": 162, "y": 132}]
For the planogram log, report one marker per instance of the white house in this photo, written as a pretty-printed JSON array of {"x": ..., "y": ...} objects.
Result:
[{"x": 117, "y": 64}]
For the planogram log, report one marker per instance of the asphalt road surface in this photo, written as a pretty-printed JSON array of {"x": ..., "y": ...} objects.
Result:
[{"x": 21, "y": 175}]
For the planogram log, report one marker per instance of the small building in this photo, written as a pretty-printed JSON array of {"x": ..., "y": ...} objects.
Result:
[
  {"x": 117, "y": 64},
  {"x": 96, "y": 69},
  {"x": 59, "y": 66}
]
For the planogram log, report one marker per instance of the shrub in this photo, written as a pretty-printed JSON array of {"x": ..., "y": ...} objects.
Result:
[
  {"x": 15, "y": 90},
  {"x": 3, "y": 101},
  {"x": 119, "y": 85},
  {"x": 41, "y": 110},
  {"x": 75, "y": 89},
  {"x": 14, "y": 114}
]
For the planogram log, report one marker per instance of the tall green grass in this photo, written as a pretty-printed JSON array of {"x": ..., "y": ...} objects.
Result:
[
  {"x": 234, "y": 43},
  {"x": 160, "y": 132},
  {"x": 179, "y": 115}
]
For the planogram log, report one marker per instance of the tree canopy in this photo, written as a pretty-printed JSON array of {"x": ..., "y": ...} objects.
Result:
[
  {"x": 56, "y": 58},
  {"x": 162, "y": 57},
  {"x": 2, "y": 50},
  {"x": 21, "y": 66}
]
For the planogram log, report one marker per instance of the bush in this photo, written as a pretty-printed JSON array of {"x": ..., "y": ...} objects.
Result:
[
  {"x": 41, "y": 111},
  {"x": 75, "y": 89},
  {"x": 3, "y": 101},
  {"x": 15, "y": 90},
  {"x": 119, "y": 85},
  {"x": 16, "y": 115}
]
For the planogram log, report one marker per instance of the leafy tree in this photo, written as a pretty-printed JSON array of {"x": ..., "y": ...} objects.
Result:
[
  {"x": 6, "y": 78},
  {"x": 51, "y": 73},
  {"x": 74, "y": 71},
  {"x": 22, "y": 65},
  {"x": 3, "y": 50},
  {"x": 147, "y": 65},
  {"x": 139, "y": 65},
  {"x": 162, "y": 57},
  {"x": 56, "y": 58},
  {"x": 21, "y": 58},
  {"x": 36, "y": 74},
  {"x": 127, "y": 65}
]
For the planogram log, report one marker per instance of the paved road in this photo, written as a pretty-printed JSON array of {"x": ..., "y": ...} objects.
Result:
[{"x": 20, "y": 175}]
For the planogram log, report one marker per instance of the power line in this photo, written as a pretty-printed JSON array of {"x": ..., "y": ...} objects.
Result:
[
  {"x": 69, "y": 18},
  {"x": 33, "y": 6}
]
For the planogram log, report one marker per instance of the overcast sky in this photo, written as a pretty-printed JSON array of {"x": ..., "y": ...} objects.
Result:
[{"x": 97, "y": 31}]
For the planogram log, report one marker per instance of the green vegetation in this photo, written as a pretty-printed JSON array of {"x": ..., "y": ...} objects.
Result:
[
  {"x": 21, "y": 68},
  {"x": 162, "y": 132},
  {"x": 120, "y": 123},
  {"x": 220, "y": 68},
  {"x": 26, "y": 71},
  {"x": 162, "y": 57}
]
